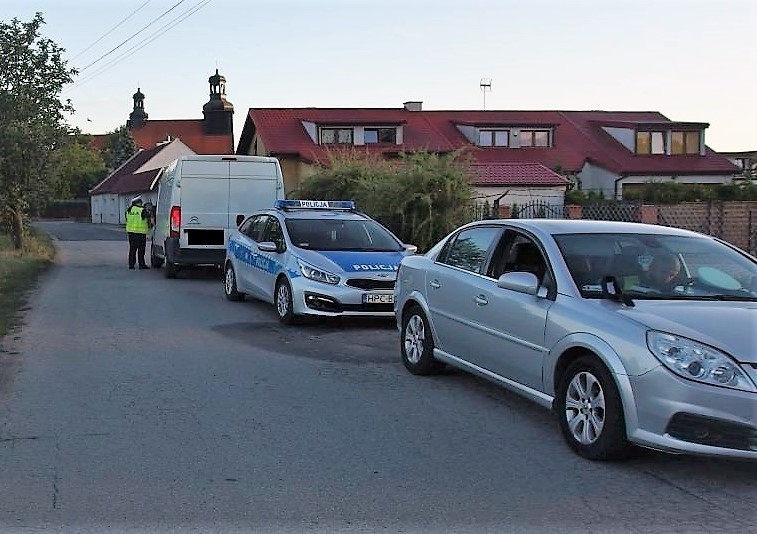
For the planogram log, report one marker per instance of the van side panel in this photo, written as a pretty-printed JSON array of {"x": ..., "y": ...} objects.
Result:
[{"x": 253, "y": 186}]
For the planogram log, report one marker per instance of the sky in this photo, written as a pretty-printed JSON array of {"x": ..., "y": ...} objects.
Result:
[{"x": 691, "y": 60}]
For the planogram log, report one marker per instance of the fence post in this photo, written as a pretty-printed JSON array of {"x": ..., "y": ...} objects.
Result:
[{"x": 649, "y": 214}]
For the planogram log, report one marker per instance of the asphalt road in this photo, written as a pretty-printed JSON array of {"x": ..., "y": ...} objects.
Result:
[{"x": 136, "y": 403}]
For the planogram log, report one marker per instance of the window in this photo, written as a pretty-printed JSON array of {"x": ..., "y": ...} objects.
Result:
[
  {"x": 494, "y": 138},
  {"x": 364, "y": 235},
  {"x": 684, "y": 143},
  {"x": 470, "y": 248},
  {"x": 275, "y": 234},
  {"x": 650, "y": 142},
  {"x": 535, "y": 138},
  {"x": 380, "y": 135},
  {"x": 331, "y": 136},
  {"x": 255, "y": 229}
]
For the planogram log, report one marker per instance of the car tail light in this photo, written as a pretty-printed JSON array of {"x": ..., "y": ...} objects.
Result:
[{"x": 175, "y": 221}]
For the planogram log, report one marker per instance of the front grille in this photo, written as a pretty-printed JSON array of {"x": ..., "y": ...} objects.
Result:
[
  {"x": 369, "y": 284},
  {"x": 715, "y": 432}
]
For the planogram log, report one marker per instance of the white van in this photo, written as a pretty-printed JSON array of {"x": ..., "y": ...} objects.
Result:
[{"x": 200, "y": 198}]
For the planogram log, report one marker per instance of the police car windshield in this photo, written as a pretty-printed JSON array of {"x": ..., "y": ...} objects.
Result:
[{"x": 341, "y": 234}]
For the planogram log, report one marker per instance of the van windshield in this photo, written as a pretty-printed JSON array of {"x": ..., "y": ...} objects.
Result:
[{"x": 341, "y": 234}]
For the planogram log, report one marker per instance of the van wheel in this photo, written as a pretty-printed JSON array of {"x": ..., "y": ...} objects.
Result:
[
  {"x": 230, "y": 285},
  {"x": 155, "y": 262},
  {"x": 283, "y": 301},
  {"x": 171, "y": 270}
]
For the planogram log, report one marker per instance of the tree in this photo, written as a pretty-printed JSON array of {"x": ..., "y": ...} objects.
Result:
[
  {"x": 119, "y": 147},
  {"x": 79, "y": 167},
  {"x": 420, "y": 197},
  {"x": 32, "y": 126}
]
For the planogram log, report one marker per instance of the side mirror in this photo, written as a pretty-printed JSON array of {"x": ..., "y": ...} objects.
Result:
[
  {"x": 412, "y": 249},
  {"x": 268, "y": 246},
  {"x": 521, "y": 282}
]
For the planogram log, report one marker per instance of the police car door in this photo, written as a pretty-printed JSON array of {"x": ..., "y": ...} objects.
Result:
[
  {"x": 248, "y": 259},
  {"x": 272, "y": 262}
]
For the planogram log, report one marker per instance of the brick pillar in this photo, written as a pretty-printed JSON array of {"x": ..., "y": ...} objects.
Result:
[
  {"x": 505, "y": 212},
  {"x": 648, "y": 213},
  {"x": 575, "y": 211}
]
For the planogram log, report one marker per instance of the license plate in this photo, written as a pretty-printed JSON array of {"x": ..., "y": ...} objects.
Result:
[{"x": 378, "y": 299}]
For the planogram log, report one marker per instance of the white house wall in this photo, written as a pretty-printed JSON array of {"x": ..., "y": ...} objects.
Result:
[
  {"x": 553, "y": 195},
  {"x": 170, "y": 152},
  {"x": 105, "y": 208},
  {"x": 598, "y": 180}
]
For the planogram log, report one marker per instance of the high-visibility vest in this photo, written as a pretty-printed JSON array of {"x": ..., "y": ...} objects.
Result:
[{"x": 135, "y": 224}]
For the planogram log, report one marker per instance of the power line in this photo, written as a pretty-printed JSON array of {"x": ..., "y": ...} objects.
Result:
[
  {"x": 109, "y": 52},
  {"x": 141, "y": 44},
  {"x": 103, "y": 36}
]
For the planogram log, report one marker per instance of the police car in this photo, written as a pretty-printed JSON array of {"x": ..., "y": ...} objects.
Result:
[{"x": 314, "y": 257}]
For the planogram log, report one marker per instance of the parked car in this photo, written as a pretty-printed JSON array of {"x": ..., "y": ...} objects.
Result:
[
  {"x": 314, "y": 258},
  {"x": 631, "y": 333}
]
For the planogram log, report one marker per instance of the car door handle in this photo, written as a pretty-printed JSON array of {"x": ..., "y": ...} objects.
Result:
[
  {"x": 481, "y": 300},
  {"x": 435, "y": 284}
]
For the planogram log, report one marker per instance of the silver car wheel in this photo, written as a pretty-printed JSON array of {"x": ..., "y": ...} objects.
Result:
[
  {"x": 228, "y": 283},
  {"x": 282, "y": 300},
  {"x": 585, "y": 408},
  {"x": 415, "y": 337}
]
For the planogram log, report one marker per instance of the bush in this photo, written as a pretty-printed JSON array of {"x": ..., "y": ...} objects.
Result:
[{"x": 420, "y": 196}]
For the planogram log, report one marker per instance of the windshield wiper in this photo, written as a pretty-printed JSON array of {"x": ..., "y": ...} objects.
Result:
[{"x": 727, "y": 298}]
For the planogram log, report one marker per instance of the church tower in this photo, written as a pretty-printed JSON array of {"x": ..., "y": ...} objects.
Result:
[
  {"x": 137, "y": 117},
  {"x": 218, "y": 112}
]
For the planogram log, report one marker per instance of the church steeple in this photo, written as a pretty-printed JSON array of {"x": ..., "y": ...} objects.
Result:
[
  {"x": 218, "y": 112},
  {"x": 137, "y": 117}
]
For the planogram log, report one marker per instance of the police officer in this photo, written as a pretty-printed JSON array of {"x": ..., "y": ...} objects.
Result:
[{"x": 137, "y": 227}]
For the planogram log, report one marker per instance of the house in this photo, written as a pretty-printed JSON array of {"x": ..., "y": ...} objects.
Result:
[
  {"x": 111, "y": 197},
  {"x": 213, "y": 134},
  {"x": 746, "y": 162},
  {"x": 601, "y": 151}
]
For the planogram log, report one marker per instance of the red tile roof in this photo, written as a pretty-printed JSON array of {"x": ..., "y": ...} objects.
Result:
[
  {"x": 123, "y": 180},
  {"x": 578, "y": 137},
  {"x": 190, "y": 132},
  {"x": 514, "y": 174}
]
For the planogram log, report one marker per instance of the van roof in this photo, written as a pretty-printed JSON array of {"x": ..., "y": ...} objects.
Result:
[{"x": 225, "y": 157}]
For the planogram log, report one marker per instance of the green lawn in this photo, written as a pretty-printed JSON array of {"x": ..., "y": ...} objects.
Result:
[{"x": 18, "y": 273}]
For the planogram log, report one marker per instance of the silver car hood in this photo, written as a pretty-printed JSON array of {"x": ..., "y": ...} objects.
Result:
[{"x": 729, "y": 326}]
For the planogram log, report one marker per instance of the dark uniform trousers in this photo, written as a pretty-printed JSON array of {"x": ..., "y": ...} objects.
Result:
[{"x": 137, "y": 244}]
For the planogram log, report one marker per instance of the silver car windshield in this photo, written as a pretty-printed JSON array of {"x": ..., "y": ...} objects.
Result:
[
  {"x": 341, "y": 234},
  {"x": 648, "y": 266}
]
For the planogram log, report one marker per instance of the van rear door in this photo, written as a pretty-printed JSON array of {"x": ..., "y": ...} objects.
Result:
[
  {"x": 253, "y": 186},
  {"x": 204, "y": 197}
]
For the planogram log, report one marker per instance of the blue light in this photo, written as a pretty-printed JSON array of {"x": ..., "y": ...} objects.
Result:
[{"x": 315, "y": 204}]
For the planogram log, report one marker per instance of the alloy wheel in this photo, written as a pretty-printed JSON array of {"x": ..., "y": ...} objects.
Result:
[
  {"x": 282, "y": 300},
  {"x": 415, "y": 337},
  {"x": 585, "y": 408}
]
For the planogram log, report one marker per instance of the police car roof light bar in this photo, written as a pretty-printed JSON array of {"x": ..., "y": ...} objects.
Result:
[{"x": 315, "y": 204}]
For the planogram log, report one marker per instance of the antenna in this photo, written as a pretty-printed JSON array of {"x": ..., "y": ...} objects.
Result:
[{"x": 486, "y": 85}]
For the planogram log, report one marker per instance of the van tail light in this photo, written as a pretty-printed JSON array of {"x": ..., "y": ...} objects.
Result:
[{"x": 175, "y": 221}]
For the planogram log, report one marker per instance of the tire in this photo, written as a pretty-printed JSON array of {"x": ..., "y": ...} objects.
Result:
[
  {"x": 155, "y": 262},
  {"x": 417, "y": 344},
  {"x": 171, "y": 270},
  {"x": 230, "y": 284},
  {"x": 282, "y": 299},
  {"x": 590, "y": 411}
]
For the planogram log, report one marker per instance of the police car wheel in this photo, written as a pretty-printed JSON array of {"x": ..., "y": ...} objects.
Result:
[
  {"x": 417, "y": 343},
  {"x": 230, "y": 284},
  {"x": 283, "y": 302}
]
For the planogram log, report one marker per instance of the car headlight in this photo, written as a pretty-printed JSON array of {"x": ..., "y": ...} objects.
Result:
[
  {"x": 697, "y": 361},
  {"x": 311, "y": 273}
]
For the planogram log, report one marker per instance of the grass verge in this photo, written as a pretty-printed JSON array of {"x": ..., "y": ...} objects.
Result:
[{"x": 19, "y": 270}]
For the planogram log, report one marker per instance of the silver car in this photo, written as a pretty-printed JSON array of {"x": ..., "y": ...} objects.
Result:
[{"x": 631, "y": 333}]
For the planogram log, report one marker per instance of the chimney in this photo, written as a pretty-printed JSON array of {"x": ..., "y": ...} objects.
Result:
[{"x": 413, "y": 105}]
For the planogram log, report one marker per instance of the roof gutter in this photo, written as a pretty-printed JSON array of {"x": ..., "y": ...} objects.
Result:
[{"x": 617, "y": 181}]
